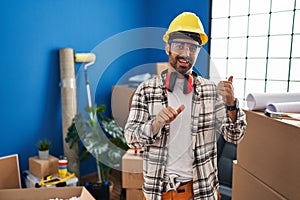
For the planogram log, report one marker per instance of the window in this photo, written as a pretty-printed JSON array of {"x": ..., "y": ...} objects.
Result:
[{"x": 255, "y": 41}]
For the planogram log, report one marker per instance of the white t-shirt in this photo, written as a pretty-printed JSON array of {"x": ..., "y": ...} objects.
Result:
[{"x": 180, "y": 155}]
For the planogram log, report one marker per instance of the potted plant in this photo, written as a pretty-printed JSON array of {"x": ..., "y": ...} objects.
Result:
[
  {"x": 43, "y": 148},
  {"x": 98, "y": 136}
]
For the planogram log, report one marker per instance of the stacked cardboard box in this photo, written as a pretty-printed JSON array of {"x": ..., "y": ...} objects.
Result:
[
  {"x": 132, "y": 164},
  {"x": 42, "y": 168},
  {"x": 120, "y": 103},
  {"x": 268, "y": 154},
  {"x": 132, "y": 174},
  {"x": 248, "y": 187}
]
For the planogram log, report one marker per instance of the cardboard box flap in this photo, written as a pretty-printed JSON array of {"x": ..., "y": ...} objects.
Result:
[
  {"x": 285, "y": 120},
  {"x": 46, "y": 193},
  {"x": 10, "y": 172}
]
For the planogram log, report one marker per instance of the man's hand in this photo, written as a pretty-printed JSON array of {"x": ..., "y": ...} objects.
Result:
[
  {"x": 225, "y": 89},
  {"x": 166, "y": 115}
]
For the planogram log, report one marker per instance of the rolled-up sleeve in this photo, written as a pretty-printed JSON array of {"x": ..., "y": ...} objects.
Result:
[{"x": 234, "y": 131}]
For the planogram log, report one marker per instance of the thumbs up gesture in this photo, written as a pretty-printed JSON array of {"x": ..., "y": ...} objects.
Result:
[{"x": 225, "y": 89}]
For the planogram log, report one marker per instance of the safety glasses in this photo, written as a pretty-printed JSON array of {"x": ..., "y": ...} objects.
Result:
[{"x": 180, "y": 47}]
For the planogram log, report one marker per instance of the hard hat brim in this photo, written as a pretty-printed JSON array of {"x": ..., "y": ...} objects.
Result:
[{"x": 203, "y": 36}]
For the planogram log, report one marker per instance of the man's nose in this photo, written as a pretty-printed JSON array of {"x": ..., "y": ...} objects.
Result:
[{"x": 186, "y": 50}]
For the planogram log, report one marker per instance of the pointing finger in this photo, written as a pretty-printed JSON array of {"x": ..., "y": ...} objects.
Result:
[{"x": 180, "y": 109}]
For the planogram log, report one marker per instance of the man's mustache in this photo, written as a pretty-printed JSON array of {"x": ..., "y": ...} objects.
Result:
[{"x": 185, "y": 58}]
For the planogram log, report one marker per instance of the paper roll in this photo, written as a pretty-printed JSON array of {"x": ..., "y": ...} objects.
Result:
[
  {"x": 69, "y": 104},
  {"x": 259, "y": 101},
  {"x": 287, "y": 107}
]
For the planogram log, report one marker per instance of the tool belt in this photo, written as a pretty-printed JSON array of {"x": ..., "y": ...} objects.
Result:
[{"x": 182, "y": 187}]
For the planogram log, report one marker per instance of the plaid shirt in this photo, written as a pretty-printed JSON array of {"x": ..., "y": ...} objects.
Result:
[{"x": 208, "y": 117}]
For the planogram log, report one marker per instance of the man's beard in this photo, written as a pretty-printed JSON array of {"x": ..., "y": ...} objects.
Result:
[{"x": 175, "y": 63}]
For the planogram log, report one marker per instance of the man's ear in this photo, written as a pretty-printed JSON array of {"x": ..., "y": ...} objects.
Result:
[{"x": 167, "y": 48}]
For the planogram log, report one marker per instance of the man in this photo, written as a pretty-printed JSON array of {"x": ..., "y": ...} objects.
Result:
[{"x": 174, "y": 118}]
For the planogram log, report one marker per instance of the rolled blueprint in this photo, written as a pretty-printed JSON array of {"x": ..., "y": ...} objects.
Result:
[
  {"x": 69, "y": 104},
  {"x": 259, "y": 101},
  {"x": 287, "y": 107}
]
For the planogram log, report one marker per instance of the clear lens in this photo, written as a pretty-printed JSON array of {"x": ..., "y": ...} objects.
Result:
[{"x": 180, "y": 47}]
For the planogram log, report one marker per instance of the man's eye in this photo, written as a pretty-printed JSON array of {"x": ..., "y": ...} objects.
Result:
[
  {"x": 193, "y": 48},
  {"x": 179, "y": 46}
]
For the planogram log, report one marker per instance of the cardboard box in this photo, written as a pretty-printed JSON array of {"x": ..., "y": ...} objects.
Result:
[
  {"x": 120, "y": 103},
  {"x": 9, "y": 172},
  {"x": 245, "y": 186},
  {"x": 32, "y": 181},
  {"x": 160, "y": 67},
  {"x": 42, "y": 168},
  {"x": 132, "y": 170},
  {"x": 134, "y": 194},
  {"x": 270, "y": 151},
  {"x": 46, "y": 193}
]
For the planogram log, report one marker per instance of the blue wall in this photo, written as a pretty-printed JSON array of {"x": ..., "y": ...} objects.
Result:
[{"x": 32, "y": 32}]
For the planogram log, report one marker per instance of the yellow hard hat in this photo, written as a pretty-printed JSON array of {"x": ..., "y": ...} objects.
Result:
[{"x": 188, "y": 22}]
